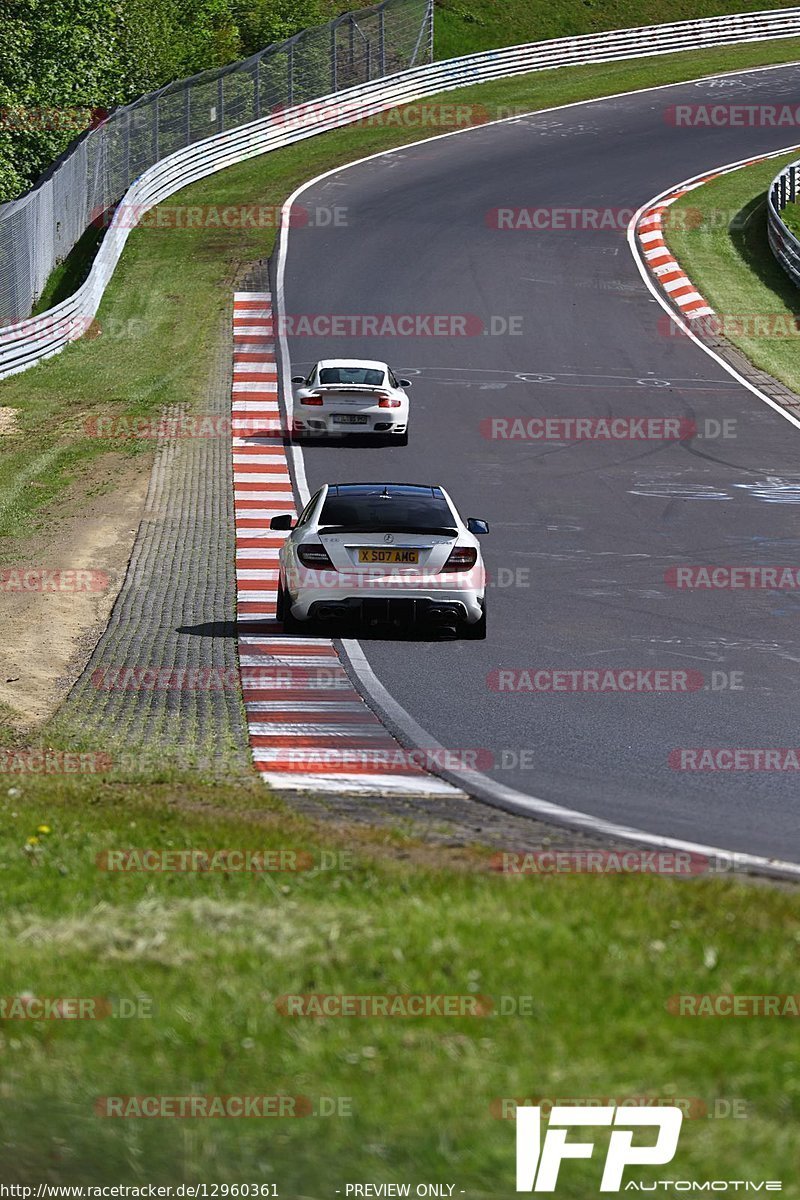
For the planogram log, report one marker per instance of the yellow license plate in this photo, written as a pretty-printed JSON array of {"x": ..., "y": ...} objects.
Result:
[{"x": 374, "y": 555}]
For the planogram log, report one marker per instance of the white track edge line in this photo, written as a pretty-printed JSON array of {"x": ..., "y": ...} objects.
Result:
[{"x": 657, "y": 291}]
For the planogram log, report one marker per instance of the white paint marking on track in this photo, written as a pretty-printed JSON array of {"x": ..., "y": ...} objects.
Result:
[{"x": 309, "y": 728}]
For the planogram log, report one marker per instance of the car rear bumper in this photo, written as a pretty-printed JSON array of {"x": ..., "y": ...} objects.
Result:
[
  {"x": 395, "y": 608},
  {"x": 323, "y": 425}
]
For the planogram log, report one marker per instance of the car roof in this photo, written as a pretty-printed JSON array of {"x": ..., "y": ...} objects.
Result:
[{"x": 353, "y": 362}]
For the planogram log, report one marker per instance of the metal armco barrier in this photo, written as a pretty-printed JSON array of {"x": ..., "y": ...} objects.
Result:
[
  {"x": 784, "y": 189},
  {"x": 29, "y": 341}
]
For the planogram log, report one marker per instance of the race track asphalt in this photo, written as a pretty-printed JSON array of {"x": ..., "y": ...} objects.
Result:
[{"x": 584, "y": 530}]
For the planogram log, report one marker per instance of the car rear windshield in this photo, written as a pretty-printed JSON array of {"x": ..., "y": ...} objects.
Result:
[
  {"x": 362, "y": 375},
  {"x": 398, "y": 511}
]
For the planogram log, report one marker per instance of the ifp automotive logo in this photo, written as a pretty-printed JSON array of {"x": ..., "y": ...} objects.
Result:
[{"x": 538, "y": 1162}]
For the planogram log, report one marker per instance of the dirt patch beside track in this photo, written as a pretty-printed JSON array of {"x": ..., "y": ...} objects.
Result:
[{"x": 56, "y": 595}]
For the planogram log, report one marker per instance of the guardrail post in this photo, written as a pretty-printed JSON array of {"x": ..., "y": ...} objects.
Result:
[
  {"x": 257, "y": 90},
  {"x": 382, "y": 43},
  {"x": 334, "y": 78},
  {"x": 127, "y": 135},
  {"x": 156, "y": 114},
  {"x": 220, "y": 105},
  {"x": 290, "y": 74},
  {"x": 187, "y": 113},
  {"x": 427, "y": 27}
]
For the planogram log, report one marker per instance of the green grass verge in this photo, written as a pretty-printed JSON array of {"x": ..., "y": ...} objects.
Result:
[
  {"x": 791, "y": 215},
  {"x": 595, "y": 958},
  {"x": 160, "y": 317},
  {"x": 719, "y": 236},
  {"x": 465, "y": 26}
]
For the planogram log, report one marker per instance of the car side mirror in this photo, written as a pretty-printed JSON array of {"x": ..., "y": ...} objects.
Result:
[
  {"x": 298, "y": 379},
  {"x": 477, "y": 526},
  {"x": 405, "y": 383},
  {"x": 284, "y": 521}
]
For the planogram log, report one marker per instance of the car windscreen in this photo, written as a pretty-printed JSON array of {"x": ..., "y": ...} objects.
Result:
[
  {"x": 405, "y": 511},
  {"x": 361, "y": 375}
]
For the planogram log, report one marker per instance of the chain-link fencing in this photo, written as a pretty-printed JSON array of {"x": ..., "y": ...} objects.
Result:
[{"x": 38, "y": 230}]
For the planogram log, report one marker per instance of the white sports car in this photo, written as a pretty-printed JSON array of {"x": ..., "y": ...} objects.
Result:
[
  {"x": 384, "y": 553},
  {"x": 350, "y": 395}
]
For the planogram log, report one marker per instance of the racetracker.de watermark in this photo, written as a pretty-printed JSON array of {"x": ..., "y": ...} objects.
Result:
[
  {"x": 388, "y": 760},
  {"x": 28, "y": 1007},
  {"x": 588, "y": 429},
  {"x": 733, "y": 116},
  {"x": 384, "y": 577},
  {"x": 39, "y": 761},
  {"x": 183, "y": 426},
  {"x": 53, "y": 579},
  {"x": 254, "y": 862},
  {"x": 756, "y": 326},
  {"x": 424, "y": 1005},
  {"x": 731, "y": 1004},
  {"x": 399, "y": 325},
  {"x": 170, "y": 679},
  {"x": 580, "y": 860},
  {"x": 418, "y": 115},
  {"x": 193, "y": 1107},
  {"x": 732, "y": 578},
  {"x": 694, "y": 1108},
  {"x": 217, "y": 216},
  {"x": 38, "y": 118},
  {"x": 584, "y": 219},
  {"x": 596, "y": 681},
  {"x": 734, "y": 758},
  {"x": 566, "y": 860}
]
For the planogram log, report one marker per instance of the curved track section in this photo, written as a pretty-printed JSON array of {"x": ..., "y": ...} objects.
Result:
[{"x": 587, "y": 534}]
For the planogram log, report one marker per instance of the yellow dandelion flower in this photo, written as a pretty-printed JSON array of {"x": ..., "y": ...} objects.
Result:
[
  {"x": 43, "y": 829},
  {"x": 32, "y": 841}
]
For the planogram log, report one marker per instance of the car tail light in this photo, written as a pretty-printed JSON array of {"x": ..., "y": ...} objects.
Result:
[
  {"x": 388, "y": 402},
  {"x": 461, "y": 558},
  {"x": 314, "y": 556},
  {"x": 316, "y": 401}
]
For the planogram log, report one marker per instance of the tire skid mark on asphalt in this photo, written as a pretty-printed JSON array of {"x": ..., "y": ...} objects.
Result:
[{"x": 309, "y": 729}]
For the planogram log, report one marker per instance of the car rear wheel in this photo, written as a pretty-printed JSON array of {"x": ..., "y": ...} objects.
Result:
[
  {"x": 283, "y": 611},
  {"x": 477, "y": 632}
]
